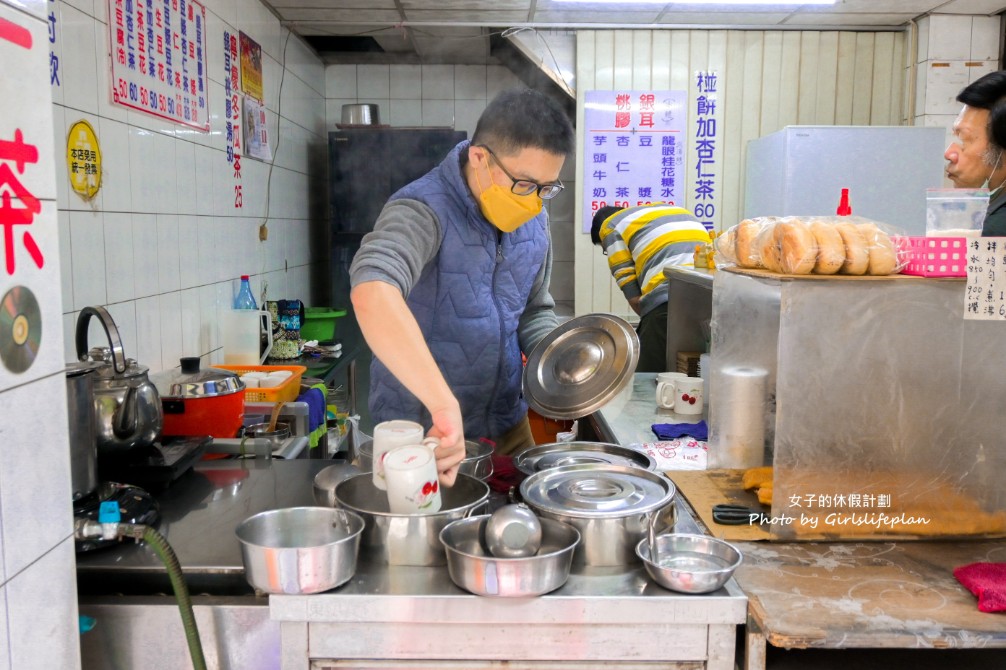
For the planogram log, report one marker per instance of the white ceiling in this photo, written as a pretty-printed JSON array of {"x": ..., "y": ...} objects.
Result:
[{"x": 447, "y": 30}]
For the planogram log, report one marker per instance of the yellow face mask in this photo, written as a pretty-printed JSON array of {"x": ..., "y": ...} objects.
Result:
[{"x": 505, "y": 209}]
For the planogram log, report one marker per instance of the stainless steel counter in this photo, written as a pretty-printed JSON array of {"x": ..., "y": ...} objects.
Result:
[
  {"x": 199, "y": 514},
  {"x": 406, "y": 613},
  {"x": 689, "y": 304}
]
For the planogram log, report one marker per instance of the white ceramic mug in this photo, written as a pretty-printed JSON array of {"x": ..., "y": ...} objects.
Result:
[
  {"x": 665, "y": 388},
  {"x": 411, "y": 475},
  {"x": 387, "y": 436},
  {"x": 688, "y": 395}
]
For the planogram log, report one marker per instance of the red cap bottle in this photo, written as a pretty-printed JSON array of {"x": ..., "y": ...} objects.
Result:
[{"x": 843, "y": 205}]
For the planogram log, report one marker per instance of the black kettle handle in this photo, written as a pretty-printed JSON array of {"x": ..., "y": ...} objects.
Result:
[{"x": 111, "y": 331}]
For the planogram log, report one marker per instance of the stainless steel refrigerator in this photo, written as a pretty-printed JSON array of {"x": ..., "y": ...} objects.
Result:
[{"x": 801, "y": 171}]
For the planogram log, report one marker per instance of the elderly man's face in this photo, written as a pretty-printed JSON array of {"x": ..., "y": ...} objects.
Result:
[{"x": 970, "y": 157}]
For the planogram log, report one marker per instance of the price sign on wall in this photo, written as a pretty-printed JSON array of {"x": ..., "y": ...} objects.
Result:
[
  {"x": 158, "y": 50},
  {"x": 633, "y": 149},
  {"x": 985, "y": 296}
]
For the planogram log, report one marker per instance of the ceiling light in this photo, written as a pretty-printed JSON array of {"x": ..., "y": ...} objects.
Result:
[{"x": 703, "y": 2}]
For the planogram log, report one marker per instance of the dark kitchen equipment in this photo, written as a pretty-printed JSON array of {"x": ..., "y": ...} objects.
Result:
[
  {"x": 366, "y": 164},
  {"x": 735, "y": 515},
  {"x": 196, "y": 401},
  {"x": 135, "y": 505},
  {"x": 127, "y": 406},
  {"x": 154, "y": 466}
]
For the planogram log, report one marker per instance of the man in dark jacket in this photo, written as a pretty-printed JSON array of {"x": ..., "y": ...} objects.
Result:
[
  {"x": 453, "y": 282},
  {"x": 975, "y": 157}
]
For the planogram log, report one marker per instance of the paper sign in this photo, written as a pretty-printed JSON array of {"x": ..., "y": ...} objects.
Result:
[
  {"x": 985, "y": 296},
  {"x": 158, "y": 50},
  {"x": 256, "y": 137},
  {"x": 251, "y": 67},
  {"x": 83, "y": 160},
  {"x": 633, "y": 149},
  {"x": 685, "y": 453}
]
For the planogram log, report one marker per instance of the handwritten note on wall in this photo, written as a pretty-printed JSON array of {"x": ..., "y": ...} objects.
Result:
[{"x": 985, "y": 297}]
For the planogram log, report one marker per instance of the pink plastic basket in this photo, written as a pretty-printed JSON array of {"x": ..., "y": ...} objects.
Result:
[{"x": 936, "y": 256}]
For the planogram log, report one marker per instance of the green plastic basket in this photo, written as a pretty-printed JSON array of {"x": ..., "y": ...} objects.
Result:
[{"x": 319, "y": 323}]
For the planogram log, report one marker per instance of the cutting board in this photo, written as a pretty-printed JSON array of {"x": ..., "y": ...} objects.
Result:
[{"x": 705, "y": 488}]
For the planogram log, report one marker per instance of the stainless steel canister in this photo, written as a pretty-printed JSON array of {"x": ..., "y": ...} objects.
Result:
[
  {"x": 81, "y": 425},
  {"x": 610, "y": 505}
]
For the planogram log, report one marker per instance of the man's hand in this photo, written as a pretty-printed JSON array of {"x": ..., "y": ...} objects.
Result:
[{"x": 449, "y": 427}]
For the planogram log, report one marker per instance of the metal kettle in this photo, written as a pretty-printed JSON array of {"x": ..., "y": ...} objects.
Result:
[{"x": 128, "y": 409}]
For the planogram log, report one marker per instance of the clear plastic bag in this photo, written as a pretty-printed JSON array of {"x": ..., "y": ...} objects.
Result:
[{"x": 820, "y": 245}]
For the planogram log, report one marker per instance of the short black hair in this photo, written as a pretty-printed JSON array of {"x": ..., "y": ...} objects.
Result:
[
  {"x": 989, "y": 92},
  {"x": 595, "y": 225},
  {"x": 522, "y": 118}
]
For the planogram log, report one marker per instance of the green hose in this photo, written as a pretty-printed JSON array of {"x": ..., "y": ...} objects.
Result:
[{"x": 167, "y": 556}]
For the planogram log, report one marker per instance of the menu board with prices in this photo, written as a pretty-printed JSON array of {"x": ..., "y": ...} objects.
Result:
[
  {"x": 633, "y": 149},
  {"x": 158, "y": 50},
  {"x": 985, "y": 296}
]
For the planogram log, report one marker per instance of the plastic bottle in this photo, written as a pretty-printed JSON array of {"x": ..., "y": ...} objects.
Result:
[
  {"x": 844, "y": 209},
  {"x": 244, "y": 299},
  {"x": 699, "y": 256}
]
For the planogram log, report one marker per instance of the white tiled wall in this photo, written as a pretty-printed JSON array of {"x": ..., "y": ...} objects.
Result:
[
  {"x": 953, "y": 51},
  {"x": 455, "y": 96},
  {"x": 38, "y": 604},
  {"x": 162, "y": 245}
]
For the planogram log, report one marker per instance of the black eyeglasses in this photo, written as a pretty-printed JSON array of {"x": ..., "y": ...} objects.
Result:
[{"x": 526, "y": 186}]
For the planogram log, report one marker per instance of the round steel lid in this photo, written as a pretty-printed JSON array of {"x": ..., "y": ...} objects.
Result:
[
  {"x": 558, "y": 454},
  {"x": 192, "y": 382},
  {"x": 580, "y": 366},
  {"x": 597, "y": 491}
]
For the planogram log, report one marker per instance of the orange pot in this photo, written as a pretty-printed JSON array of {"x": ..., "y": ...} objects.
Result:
[{"x": 201, "y": 402}]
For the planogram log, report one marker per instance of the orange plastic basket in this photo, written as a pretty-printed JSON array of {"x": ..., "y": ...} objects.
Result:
[{"x": 285, "y": 392}]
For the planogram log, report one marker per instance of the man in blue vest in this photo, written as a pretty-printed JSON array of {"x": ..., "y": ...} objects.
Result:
[{"x": 453, "y": 282}]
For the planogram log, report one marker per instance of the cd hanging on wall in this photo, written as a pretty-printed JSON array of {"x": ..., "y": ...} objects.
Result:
[{"x": 20, "y": 329}]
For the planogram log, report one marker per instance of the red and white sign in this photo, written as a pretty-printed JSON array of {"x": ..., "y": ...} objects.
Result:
[{"x": 158, "y": 59}]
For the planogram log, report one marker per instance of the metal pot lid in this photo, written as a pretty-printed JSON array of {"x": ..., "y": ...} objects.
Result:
[
  {"x": 558, "y": 454},
  {"x": 580, "y": 366},
  {"x": 596, "y": 491},
  {"x": 192, "y": 382}
]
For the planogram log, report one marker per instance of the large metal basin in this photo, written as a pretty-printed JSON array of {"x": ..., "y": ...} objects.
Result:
[
  {"x": 408, "y": 539},
  {"x": 474, "y": 569},
  {"x": 300, "y": 550}
]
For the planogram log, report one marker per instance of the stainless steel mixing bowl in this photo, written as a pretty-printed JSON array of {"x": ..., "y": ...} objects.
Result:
[
  {"x": 408, "y": 539},
  {"x": 299, "y": 550},
  {"x": 474, "y": 569},
  {"x": 690, "y": 563}
]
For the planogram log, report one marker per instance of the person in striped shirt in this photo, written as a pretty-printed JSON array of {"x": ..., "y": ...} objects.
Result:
[{"x": 639, "y": 242}]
